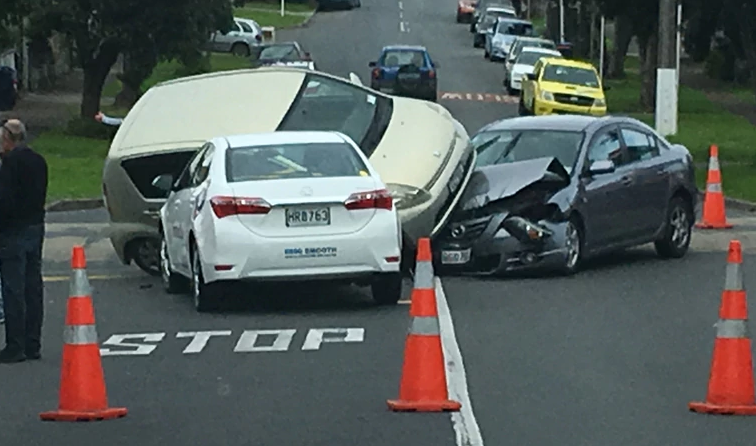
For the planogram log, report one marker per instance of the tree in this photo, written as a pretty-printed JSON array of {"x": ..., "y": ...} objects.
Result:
[
  {"x": 101, "y": 31},
  {"x": 181, "y": 38},
  {"x": 643, "y": 15},
  {"x": 745, "y": 12}
]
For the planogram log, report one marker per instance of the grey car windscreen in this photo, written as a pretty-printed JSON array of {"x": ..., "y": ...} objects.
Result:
[{"x": 511, "y": 146}]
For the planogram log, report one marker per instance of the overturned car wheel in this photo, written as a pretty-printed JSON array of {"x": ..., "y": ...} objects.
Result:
[{"x": 573, "y": 247}]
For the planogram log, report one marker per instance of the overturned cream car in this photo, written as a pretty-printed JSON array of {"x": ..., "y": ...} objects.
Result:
[{"x": 421, "y": 152}]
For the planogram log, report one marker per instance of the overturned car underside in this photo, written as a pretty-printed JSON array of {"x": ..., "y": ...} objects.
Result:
[{"x": 510, "y": 217}]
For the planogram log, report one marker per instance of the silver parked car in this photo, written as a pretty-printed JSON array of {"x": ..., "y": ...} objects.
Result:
[
  {"x": 551, "y": 191},
  {"x": 244, "y": 35}
]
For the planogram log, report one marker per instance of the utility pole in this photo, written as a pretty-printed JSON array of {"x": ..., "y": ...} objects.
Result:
[{"x": 666, "y": 73}]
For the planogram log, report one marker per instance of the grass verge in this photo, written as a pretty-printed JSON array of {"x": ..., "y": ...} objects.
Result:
[
  {"x": 267, "y": 14},
  {"x": 701, "y": 123},
  {"x": 74, "y": 163}
]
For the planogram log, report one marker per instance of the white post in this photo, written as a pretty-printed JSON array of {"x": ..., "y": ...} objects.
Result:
[
  {"x": 679, "y": 42},
  {"x": 283, "y": 3},
  {"x": 602, "y": 31},
  {"x": 561, "y": 21}
]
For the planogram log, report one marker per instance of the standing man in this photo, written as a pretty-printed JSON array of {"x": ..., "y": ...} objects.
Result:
[{"x": 23, "y": 192}]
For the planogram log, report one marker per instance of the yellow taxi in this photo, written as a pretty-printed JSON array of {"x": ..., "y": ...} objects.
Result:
[{"x": 562, "y": 86}]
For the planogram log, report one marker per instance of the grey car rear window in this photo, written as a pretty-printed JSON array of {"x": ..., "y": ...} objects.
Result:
[{"x": 313, "y": 160}]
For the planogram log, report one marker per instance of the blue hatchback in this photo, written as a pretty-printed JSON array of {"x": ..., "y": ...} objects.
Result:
[{"x": 405, "y": 70}]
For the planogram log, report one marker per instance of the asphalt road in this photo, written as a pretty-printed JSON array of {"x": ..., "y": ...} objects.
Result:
[{"x": 608, "y": 357}]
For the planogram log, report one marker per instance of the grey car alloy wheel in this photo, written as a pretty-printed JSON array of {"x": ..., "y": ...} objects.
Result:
[
  {"x": 680, "y": 227},
  {"x": 571, "y": 246}
]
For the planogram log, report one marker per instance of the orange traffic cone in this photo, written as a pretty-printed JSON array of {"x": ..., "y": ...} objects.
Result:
[
  {"x": 731, "y": 384},
  {"x": 423, "y": 384},
  {"x": 82, "y": 382},
  {"x": 713, "y": 215}
]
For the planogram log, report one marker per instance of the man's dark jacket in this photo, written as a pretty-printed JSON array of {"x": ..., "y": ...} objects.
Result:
[{"x": 23, "y": 189}]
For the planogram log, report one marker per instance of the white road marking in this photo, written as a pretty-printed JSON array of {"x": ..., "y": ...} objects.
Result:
[
  {"x": 248, "y": 340},
  {"x": 199, "y": 339},
  {"x": 138, "y": 349},
  {"x": 401, "y": 6},
  {"x": 401, "y": 27},
  {"x": 464, "y": 423},
  {"x": 318, "y": 336},
  {"x": 401, "y": 15}
]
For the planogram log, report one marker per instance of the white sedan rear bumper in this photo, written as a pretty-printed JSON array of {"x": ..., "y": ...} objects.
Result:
[{"x": 239, "y": 254}]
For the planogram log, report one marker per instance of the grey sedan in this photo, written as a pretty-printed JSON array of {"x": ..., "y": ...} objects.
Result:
[{"x": 551, "y": 191}]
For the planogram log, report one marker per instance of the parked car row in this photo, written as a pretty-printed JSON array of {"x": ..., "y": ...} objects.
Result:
[{"x": 534, "y": 68}]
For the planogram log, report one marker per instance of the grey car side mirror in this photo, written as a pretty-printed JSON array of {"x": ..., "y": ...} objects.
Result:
[
  {"x": 163, "y": 182},
  {"x": 601, "y": 167}
]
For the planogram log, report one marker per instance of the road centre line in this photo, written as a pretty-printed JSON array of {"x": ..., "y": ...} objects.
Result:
[
  {"x": 401, "y": 6},
  {"x": 464, "y": 423}
]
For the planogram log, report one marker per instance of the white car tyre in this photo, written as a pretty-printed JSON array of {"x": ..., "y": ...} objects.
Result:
[
  {"x": 205, "y": 297},
  {"x": 387, "y": 288}
]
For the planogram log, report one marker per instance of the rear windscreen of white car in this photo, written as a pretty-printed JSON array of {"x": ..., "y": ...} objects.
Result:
[
  {"x": 314, "y": 160},
  {"x": 530, "y": 57}
]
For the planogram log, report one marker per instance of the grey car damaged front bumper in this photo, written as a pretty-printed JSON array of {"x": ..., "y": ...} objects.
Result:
[
  {"x": 508, "y": 220},
  {"x": 501, "y": 243}
]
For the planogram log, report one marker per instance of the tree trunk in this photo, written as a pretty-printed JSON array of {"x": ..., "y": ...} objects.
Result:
[
  {"x": 96, "y": 70},
  {"x": 623, "y": 34},
  {"x": 648, "y": 47},
  {"x": 137, "y": 68}
]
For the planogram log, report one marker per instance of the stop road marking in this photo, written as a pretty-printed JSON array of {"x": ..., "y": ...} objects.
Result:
[{"x": 277, "y": 340}]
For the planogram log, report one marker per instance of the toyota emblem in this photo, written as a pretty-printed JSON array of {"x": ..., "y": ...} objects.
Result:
[{"x": 458, "y": 231}]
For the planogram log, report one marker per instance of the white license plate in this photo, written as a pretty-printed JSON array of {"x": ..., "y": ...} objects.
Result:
[
  {"x": 298, "y": 217},
  {"x": 455, "y": 257}
]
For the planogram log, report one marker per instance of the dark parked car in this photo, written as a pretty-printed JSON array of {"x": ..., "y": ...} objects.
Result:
[
  {"x": 550, "y": 191},
  {"x": 330, "y": 5},
  {"x": 405, "y": 70},
  {"x": 289, "y": 54}
]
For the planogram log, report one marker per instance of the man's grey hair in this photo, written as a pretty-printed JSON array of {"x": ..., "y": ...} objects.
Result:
[{"x": 14, "y": 130}]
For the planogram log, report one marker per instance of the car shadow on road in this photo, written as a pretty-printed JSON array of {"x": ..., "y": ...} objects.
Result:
[
  {"x": 298, "y": 298},
  {"x": 604, "y": 263}
]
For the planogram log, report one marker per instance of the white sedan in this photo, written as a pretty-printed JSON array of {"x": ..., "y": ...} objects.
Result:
[
  {"x": 282, "y": 206},
  {"x": 524, "y": 64}
]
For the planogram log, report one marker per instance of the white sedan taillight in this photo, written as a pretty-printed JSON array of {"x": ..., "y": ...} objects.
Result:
[
  {"x": 226, "y": 206},
  {"x": 375, "y": 199}
]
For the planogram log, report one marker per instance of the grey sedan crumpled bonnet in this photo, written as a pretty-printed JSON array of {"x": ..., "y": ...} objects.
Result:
[{"x": 491, "y": 183}]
